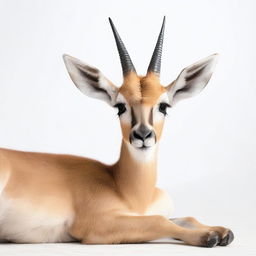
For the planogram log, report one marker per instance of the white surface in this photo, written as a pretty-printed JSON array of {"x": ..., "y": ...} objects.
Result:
[
  {"x": 242, "y": 246},
  {"x": 207, "y": 155}
]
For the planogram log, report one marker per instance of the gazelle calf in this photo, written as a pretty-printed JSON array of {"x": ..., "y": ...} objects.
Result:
[{"x": 62, "y": 198}]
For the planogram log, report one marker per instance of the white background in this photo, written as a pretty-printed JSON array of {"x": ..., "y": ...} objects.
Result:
[{"x": 207, "y": 156}]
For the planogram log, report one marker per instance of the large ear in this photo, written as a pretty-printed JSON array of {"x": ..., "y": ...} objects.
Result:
[
  {"x": 192, "y": 79},
  {"x": 89, "y": 80}
]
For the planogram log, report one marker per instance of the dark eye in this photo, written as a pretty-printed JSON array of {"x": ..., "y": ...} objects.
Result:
[
  {"x": 163, "y": 107},
  {"x": 121, "y": 108}
]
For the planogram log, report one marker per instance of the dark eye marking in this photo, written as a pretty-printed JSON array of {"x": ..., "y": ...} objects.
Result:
[
  {"x": 134, "y": 121},
  {"x": 163, "y": 107},
  {"x": 121, "y": 108},
  {"x": 151, "y": 116}
]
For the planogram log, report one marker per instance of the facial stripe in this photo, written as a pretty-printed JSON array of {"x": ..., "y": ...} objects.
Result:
[
  {"x": 141, "y": 114},
  {"x": 151, "y": 117},
  {"x": 133, "y": 117}
]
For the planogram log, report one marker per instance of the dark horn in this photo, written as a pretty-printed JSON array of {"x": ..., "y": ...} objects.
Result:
[
  {"x": 155, "y": 63},
  {"x": 126, "y": 61}
]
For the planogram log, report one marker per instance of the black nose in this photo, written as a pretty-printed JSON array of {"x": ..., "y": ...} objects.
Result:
[{"x": 142, "y": 133}]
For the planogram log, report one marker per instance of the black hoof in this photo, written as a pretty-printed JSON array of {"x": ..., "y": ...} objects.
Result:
[
  {"x": 211, "y": 240},
  {"x": 227, "y": 239}
]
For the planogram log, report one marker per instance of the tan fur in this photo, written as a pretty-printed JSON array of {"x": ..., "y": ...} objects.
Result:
[
  {"x": 126, "y": 129},
  {"x": 158, "y": 127},
  {"x": 142, "y": 89}
]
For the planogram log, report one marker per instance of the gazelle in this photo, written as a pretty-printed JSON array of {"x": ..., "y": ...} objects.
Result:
[{"x": 62, "y": 198}]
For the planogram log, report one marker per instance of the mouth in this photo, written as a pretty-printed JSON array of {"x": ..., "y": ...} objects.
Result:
[{"x": 144, "y": 147}]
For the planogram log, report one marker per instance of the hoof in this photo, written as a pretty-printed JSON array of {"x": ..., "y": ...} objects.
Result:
[
  {"x": 211, "y": 240},
  {"x": 227, "y": 239}
]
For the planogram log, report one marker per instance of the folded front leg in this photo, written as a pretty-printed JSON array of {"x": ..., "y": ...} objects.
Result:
[{"x": 135, "y": 229}]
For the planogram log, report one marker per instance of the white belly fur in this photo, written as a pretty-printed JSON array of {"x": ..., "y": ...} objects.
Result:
[{"x": 21, "y": 224}]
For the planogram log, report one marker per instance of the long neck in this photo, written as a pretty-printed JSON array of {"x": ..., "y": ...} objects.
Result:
[{"x": 135, "y": 175}]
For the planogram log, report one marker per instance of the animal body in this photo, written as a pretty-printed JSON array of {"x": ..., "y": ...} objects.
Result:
[{"x": 63, "y": 198}]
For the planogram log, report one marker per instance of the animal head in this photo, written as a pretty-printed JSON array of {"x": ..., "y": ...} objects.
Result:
[{"x": 142, "y": 102}]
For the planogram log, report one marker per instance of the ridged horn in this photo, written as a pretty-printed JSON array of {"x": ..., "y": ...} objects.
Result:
[
  {"x": 155, "y": 63},
  {"x": 125, "y": 59}
]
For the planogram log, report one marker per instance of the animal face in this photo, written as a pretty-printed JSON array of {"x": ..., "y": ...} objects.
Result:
[
  {"x": 142, "y": 105},
  {"x": 141, "y": 101}
]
